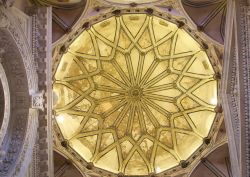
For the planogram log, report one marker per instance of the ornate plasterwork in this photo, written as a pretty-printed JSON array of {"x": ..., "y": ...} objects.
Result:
[
  {"x": 236, "y": 86},
  {"x": 27, "y": 150},
  {"x": 24, "y": 21},
  {"x": 42, "y": 46},
  {"x": 132, "y": 1},
  {"x": 70, "y": 4},
  {"x": 86, "y": 25},
  {"x": 37, "y": 101},
  {"x": 7, "y": 3},
  {"x": 9, "y": 22},
  {"x": 6, "y": 116},
  {"x": 234, "y": 92},
  {"x": 22, "y": 78},
  {"x": 230, "y": 91},
  {"x": 244, "y": 82}
]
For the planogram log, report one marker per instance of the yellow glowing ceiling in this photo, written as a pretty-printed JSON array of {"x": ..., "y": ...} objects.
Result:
[
  {"x": 135, "y": 95},
  {"x": 61, "y": 2},
  {"x": 132, "y": 1}
]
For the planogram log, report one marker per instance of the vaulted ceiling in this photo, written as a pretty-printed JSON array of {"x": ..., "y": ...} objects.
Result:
[
  {"x": 106, "y": 86},
  {"x": 215, "y": 164},
  {"x": 63, "y": 167},
  {"x": 133, "y": 92},
  {"x": 209, "y": 16}
]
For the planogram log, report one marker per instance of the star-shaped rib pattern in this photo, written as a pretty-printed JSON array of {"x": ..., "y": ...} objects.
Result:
[{"x": 135, "y": 94}]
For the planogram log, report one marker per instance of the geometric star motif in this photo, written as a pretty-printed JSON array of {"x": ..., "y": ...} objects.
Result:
[{"x": 135, "y": 94}]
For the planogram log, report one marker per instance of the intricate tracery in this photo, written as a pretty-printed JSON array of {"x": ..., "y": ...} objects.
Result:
[{"x": 135, "y": 94}]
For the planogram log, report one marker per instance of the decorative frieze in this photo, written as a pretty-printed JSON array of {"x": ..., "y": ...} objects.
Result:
[
  {"x": 236, "y": 86},
  {"x": 18, "y": 64},
  {"x": 6, "y": 104},
  {"x": 234, "y": 93},
  {"x": 243, "y": 19},
  {"x": 24, "y": 21},
  {"x": 8, "y": 22},
  {"x": 7, "y": 3},
  {"x": 41, "y": 49}
]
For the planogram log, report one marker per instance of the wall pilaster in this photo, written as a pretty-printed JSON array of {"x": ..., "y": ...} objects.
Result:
[
  {"x": 236, "y": 86},
  {"x": 42, "y": 46},
  {"x": 243, "y": 43}
]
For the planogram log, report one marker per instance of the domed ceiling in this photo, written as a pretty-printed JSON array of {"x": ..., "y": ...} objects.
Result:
[{"x": 135, "y": 94}]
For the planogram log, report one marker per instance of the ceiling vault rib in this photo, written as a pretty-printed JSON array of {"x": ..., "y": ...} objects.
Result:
[
  {"x": 147, "y": 89},
  {"x": 59, "y": 21},
  {"x": 62, "y": 169},
  {"x": 228, "y": 164},
  {"x": 213, "y": 168}
]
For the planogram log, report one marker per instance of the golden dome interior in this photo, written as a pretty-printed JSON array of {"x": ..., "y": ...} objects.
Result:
[
  {"x": 135, "y": 94},
  {"x": 132, "y": 1}
]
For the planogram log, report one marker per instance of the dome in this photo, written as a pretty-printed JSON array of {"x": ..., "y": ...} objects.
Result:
[{"x": 135, "y": 95}]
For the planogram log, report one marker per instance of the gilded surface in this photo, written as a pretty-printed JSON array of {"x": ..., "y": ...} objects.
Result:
[
  {"x": 135, "y": 94},
  {"x": 132, "y": 1}
]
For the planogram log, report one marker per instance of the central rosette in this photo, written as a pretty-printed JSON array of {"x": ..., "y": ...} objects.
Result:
[{"x": 135, "y": 93}]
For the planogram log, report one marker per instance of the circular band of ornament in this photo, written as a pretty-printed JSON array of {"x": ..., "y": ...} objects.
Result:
[
  {"x": 132, "y": 1},
  {"x": 63, "y": 4},
  {"x": 135, "y": 95},
  {"x": 5, "y": 108}
]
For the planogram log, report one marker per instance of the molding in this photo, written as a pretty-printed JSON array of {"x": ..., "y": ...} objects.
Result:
[
  {"x": 229, "y": 90},
  {"x": 243, "y": 33},
  {"x": 9, "y": 22},
  {"x": 236, "y": 86},
  {"x": 42, "y": 46},
  {"x": 6, "y": 117},
  {"x": 7, "y": 3},
  {"x": 26, "y": 155},
  {"x": 24, "y": 21},
  {"x": 37, "y": 100}
]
